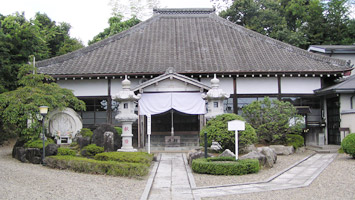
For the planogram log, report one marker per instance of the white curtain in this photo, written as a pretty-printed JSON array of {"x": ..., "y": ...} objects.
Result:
[{"x": 155, "y": 103}]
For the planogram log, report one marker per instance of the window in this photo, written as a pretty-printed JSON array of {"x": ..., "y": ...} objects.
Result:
[{"x": 215, "y": 104}]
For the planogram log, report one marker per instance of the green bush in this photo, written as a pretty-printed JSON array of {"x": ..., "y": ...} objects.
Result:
[
  {"x": 296, "y": 141},
  {"x": 131, "y": 157},
  {"x": 225, "y": 166},
  {"x": 38, "y": 143},
  {"x": 217, "y": 130},
  {"x": 348, "y": 144},
  {"x": 113, "y": 168},
  {"x": 85, "y": 132},
  {"x": 66, "y": 152},
  {"x": 91, "y": 150},
  {"x": 271, "y": 120},
  {"x": 119, "y": 130}
]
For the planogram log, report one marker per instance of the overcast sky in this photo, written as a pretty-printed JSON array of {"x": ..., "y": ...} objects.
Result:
[{"x": 87, "y": 17}]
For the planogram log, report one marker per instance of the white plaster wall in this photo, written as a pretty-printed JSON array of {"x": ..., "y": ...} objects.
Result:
[
  {"x": 257, "y": 85},
  {"x": 345, "y": 103},
  {"x": 225, "y": 83},
  {"x": 347, "y": 121},
  {"x": 299, "y": 85},
  {"x": 116, "y": 84},
  {"x": 86, "y": 87},
  {"x": 173, "y": 85}
]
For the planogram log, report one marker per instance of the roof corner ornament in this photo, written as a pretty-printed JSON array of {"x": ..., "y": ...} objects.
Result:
[
  {"x": 170, "y": 70},
  {"x": 215, "y": 97}
]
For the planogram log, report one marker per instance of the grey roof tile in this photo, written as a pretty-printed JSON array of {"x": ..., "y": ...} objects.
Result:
[{"x": 190, "y": 41}]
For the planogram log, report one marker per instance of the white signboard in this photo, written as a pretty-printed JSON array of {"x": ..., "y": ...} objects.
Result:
[{"x": 236, "y": 125}]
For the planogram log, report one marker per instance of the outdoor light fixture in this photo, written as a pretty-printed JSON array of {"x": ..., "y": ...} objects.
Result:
[{"x": 43, "y": 110}]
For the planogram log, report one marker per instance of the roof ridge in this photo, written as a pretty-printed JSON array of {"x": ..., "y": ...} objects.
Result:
[
  {"x": 280, "y": 44},
  {"x": 174, "y": 11},
  {"x": 102, "y": 43}
]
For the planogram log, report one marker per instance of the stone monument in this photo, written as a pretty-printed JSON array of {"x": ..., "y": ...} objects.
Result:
[
  {"x": 127, "y": 103},
  {"x": 64, "y": 125},
  {"x": 215, "y": 97}
]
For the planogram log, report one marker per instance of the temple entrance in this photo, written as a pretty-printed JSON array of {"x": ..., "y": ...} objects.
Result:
[
  {"x": 333, "y": 117},
  {"x": 175, "y": 129}
]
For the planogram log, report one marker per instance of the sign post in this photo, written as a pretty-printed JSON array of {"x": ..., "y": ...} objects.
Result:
[
  {"x": 149, "y": 129},
  {"x": 236, "y": 125}
]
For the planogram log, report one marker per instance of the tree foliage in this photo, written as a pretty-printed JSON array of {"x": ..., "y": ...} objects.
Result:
[
  {"x": 21, "y": 38},
  {"x": 116, "y": 26},
  {"x": 20, "y": 105},
  {"x": 217, "y": 130},
  {"x": 297, "y": 22},
  {"x": 272, "y": 120}
]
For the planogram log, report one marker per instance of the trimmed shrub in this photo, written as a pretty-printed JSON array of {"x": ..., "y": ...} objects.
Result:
[
  {"x": 132, "y": 157},
  {"x": 119, "y": 130},
  {"x": 38, "y": 143},
  {"x": 91, "y": 166},
  {"x": 217, "y": 130},
  {"x": 85, "y": 132},
  {"x": 66, "y": 152},
  {"x": 296, "y": 141},
  {"x": 91, "y": 150},
  {"x": 348, "y": 144},
  {"x": 225, "y": 166}
]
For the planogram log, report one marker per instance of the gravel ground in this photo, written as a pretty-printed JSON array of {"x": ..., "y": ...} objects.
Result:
[
  {"x": 28, "y": 181},
  {"x": 337, "y": 181},
  {"x": 282, "y": 163}
]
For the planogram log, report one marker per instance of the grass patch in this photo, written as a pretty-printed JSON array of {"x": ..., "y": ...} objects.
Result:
[
  {"x": 85, "y": 165},
  {"x": 131, "y": 157},
  {"x": 225, "y": 166}
]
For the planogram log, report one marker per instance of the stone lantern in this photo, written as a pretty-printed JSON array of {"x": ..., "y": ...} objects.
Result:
[
  {"x": 215, "y": 97},
  {"x": 127, "y": 103}
]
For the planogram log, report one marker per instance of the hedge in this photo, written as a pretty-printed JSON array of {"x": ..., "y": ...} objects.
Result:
[
  {"x": 91, "y": 150},
  {"x": 348, "y": 144},
  {"x": 294, "y": 140},
  {"x": 113, "y": 168},
  {"x": 132, "y": 157},
  {"x": 225, "y": 166},
  {"x": 66, "y": 152}
]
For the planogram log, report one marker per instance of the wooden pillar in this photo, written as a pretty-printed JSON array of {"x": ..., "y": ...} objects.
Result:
[
  {"x": 279, "y": 88},
  {"x": 235, "y": 99},
  {"x": 109, "y": 102}
]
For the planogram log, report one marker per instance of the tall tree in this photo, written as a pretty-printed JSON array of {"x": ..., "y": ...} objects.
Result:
[
  {"x": 116, "y": 26},
  {"x": 21, "y": 38}
]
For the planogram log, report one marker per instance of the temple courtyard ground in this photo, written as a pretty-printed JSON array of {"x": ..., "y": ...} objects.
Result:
[{"x": 172, "y": 179}]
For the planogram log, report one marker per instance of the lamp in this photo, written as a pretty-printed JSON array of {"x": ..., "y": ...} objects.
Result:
[{"x": 43, "y": 110}]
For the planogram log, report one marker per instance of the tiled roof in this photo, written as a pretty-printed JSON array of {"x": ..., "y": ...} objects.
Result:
[
  {"x": 346, "y": 86},
  {"x": 191, "y": 41}
]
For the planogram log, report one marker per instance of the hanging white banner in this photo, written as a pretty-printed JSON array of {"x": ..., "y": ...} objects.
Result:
[{"x": 155, "y": 103}]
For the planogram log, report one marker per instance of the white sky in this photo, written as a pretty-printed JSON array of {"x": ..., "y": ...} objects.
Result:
[{"x": 87, "y": 17}]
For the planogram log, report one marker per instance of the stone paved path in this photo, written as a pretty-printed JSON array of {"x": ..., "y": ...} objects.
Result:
[{"x": 173, "y": 179}]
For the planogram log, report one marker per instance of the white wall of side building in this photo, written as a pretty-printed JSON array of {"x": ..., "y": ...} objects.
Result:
[
  {"x": 257, "y": 85},
  {"x": 346, "y": 113}
]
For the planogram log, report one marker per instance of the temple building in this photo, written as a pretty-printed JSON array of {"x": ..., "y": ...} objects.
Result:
[{"x": 178, "y": 56}]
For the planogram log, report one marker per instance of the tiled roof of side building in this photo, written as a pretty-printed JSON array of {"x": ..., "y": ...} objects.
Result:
[{"x": 191, "y": 41}]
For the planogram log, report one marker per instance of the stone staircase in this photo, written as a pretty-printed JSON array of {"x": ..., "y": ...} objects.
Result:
[
  {"x": 324, "y": 148},
  {"x": 183, "y": 143}
]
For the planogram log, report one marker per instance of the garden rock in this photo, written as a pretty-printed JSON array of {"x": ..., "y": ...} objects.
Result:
[
  {"x": 17, "y": 144},
  {"x": 216, "y": 146},
  {"x": 33, "y": 155},
  {"x": 255, "y": 155},
  {"x": 109, "y": 141},
  {"x": 248, "y": 149},
  {"x": 270, "y": 154},
  {"x": 300, "y": 150},
  {"x": 51, "y": 149},
  {"x": 19, "y": 153},
  {"x": 83, "y": 141},
  {"x": 282, "y": 150},
  {"x": 227, "y": 153},
  {"x": 98, "y": 137},
  {"x": 194, "y": 154}
]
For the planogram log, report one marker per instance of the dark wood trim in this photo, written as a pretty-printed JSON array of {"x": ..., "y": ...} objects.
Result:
[
  {"x": 279, "y": 88},
  {"x": 235, "y": 99},
  {"x": 109, "y": 102}
]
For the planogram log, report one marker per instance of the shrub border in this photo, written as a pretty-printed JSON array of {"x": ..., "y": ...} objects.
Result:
[{"x": 214, "y": 167}]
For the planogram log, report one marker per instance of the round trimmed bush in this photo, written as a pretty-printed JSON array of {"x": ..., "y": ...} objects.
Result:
[
  {"x": 85, "y": 132},
  {"x": 217, "y": 130},
  {"x": 225, "y": 166},
  {"x": 91, "y": 150},
  {"x": 296, "y": 141},
  {"x": 38, "y": 143},
  {"x": 348, "y": 144}
]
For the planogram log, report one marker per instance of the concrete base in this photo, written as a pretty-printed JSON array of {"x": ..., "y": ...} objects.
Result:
[{"x": 127, "y": 150}]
